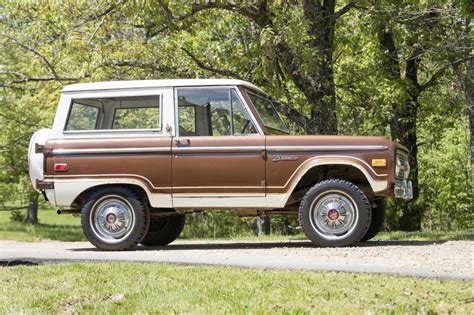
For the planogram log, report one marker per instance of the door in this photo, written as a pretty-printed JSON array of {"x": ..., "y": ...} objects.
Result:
[{"x": 218, "y": 152}]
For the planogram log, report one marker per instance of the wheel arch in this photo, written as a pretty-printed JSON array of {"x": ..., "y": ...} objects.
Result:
[
  {"x": 74, "y": 193},
  {"x": 84, "y": 195},
  {"x": 333, "y": 167}
]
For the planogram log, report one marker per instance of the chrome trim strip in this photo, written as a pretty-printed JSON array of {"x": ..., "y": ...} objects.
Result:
[
  {"x": 222, "y": 149},
  {"x": 326, "y": 148},
  {"x": 105, "y": 131},
  {"x": 111, "y": 150},
  {"x": 218, "y": 149}
]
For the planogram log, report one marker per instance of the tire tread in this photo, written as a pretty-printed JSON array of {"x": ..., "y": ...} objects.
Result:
[{"x": 332, "y": 183}]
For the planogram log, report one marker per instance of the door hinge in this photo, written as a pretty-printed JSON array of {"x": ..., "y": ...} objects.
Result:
[{"x": 39, "y": 148}]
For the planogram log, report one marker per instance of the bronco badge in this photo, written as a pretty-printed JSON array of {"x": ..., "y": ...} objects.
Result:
[{"x": 279, "y": 158}]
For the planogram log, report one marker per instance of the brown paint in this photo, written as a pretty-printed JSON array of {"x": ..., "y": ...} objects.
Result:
[{"x": 219, "y": 171}]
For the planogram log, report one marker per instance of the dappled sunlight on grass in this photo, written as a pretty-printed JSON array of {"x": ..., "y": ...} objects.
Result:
[{"x": 159, "y": 288}]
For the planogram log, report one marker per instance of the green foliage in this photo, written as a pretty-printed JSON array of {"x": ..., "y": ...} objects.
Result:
[
  {"x": 46, "y": 44},
  {"x": 444, "y": 179},
  {"x": 216, "y": 224},
  {"x": 17, "y": 216}
]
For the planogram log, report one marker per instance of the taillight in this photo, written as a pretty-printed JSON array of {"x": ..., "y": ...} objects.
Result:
[{"x": 60, "y": 167}]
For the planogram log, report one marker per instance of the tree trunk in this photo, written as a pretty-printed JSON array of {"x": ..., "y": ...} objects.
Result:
[
  {"x": 323, "y": 114},
  {"x": 467, "y": 82},
  {"x": 469, "y": 95},
  {"x": 32, "y": 213},
  {"x": 403, "y": 124},
  {"x": 315, "y": 79},
  {"x": 321, "y": 93}
]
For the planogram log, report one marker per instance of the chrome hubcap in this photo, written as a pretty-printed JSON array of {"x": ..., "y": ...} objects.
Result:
[
  {"x": 333, "y": 215},
  {"x": 112, "y": 218}
]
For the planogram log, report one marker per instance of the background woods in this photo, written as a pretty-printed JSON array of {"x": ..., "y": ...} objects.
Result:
[{"x": 402, "y": 69}]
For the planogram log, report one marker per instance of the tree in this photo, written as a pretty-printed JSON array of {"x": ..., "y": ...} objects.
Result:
[
  {"x": 466, "y": 79},
  {"x": 352, "y": 67},
  {"x": 411, "y": 40},
  {"x": 307, "y": 63}
]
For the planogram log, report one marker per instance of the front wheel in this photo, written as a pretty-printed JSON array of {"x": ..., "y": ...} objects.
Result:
[
  {"x": 335, "y": 213},
  {"x": 115, "y": 218}
]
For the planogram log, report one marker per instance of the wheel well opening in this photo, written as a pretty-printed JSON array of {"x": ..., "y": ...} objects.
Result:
[
  {"x": 83, "y": 197},
  {"x": 323, "y": 172}
]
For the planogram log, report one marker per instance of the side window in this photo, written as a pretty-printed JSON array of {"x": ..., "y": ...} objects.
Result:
[
  {"x": 82, "y": 117},
  {"x": 187, "y": 118},
  {"x": 136, "y": 118},
  {"x": 241, "y": 119},
  {"x": 212, "y": 112},
  {"x": 119, "y": 113}
]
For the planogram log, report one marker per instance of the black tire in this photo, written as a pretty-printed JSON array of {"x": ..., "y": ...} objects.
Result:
[
  {"x": 378, "y": 216},
  {"x": 164, "y": 231},
  {"x": 101, "y": 202},
  {"x": 322, "y": 231}
]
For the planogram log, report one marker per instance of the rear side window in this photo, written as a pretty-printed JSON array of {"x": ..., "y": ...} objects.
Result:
[
  {"x": 115, "y": 113},
  {"x": 82, "y": 117},
  {"x": 136, "y": 118}
]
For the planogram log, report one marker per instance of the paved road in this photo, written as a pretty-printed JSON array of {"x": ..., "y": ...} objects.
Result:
[{"x": 453, "y": 259}]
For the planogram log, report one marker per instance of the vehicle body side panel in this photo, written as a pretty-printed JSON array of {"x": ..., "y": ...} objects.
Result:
[
  {"x": 142, "y": 161},
  {"x": 298, "y": 153},
  {"x": 217, "y": 166}
]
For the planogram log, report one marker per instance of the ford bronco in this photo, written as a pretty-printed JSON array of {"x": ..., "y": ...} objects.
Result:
[{"x": 133, "y": 157}]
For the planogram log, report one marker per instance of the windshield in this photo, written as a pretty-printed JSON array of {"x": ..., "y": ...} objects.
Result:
[{"x": 268, "y": 113}]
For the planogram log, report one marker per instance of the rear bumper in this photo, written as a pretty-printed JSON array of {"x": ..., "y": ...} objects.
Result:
[{"x": 403, "y": 189}]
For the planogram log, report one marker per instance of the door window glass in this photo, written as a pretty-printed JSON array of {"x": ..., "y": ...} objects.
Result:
[
  {"x": 212, "y": 112},
  {"x": 241, "y": 119}
]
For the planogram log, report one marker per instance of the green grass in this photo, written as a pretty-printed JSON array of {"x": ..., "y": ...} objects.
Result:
[
  {"x": 68, "y": 228},
  {"x": 158, "y": 288},
  {"x": 51, "y": 227}
]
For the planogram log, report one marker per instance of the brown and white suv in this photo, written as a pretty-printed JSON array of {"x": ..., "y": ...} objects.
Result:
[{"x": 133, "y": 157}]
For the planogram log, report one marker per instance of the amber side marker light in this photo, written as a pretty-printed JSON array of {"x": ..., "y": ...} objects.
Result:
[
  {"x": 379, "y": 162},
  {"x": 60, "y": 167}
]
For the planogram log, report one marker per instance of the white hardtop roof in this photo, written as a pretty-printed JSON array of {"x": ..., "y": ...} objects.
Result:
[{"x": 116, "y": 85}]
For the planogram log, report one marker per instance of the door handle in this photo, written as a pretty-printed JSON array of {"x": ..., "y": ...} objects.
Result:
[{"x": 178, "y": 141}]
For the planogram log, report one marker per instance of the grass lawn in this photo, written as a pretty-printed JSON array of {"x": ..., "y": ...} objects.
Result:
[
  {"x": 158, "y": 288},
  {"x": 51, "y": 227},
  {"x": 67, "y": 227}
]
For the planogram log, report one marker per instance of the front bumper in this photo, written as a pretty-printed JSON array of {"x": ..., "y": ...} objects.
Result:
[{"x": 403, "y": 189}]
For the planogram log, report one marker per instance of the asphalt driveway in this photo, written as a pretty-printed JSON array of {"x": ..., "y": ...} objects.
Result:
[{"x": 452, "y": 259}]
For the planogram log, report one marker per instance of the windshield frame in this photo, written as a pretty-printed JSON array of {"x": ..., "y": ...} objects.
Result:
[{"x": 270, "y": 129}]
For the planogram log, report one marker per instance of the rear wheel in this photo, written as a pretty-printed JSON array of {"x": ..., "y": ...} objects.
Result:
[
  {"x": 164, "y": 231},
  {"x": 335, "y": 213},
  {"x": 115, "y": 218},
  {"x": 378, "y": 216}
]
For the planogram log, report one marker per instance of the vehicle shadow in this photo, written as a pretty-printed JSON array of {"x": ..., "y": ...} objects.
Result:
[{"x": 228, "y": 245}]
